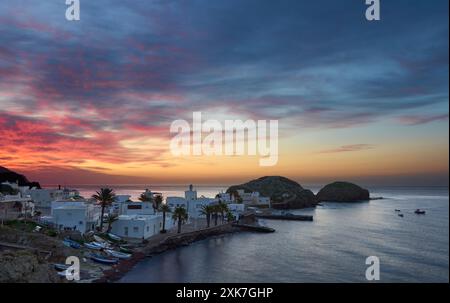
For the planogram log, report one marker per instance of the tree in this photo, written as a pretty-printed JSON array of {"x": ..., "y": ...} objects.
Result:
[
  {"x": 207, "y": 210},
  {"x": 230, "y": 216},
  {"x": 215, "y": 212},
  {"x": 164, "y": 208},
  {"x": 180, "y": 215},
  {"x": 104, "y": 197},
  {"x": 222, "y": 208},
  {"x": 145, "y": 198},
  {"x": 157, "y": 202},
  {"x": 111, "y": 220}
]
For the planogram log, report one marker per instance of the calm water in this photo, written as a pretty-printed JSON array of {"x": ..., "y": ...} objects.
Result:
[{"x": 333, "y": 248}]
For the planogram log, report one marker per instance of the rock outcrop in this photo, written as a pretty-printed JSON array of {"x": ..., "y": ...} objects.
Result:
[
  {"x": 343, "y": 192},
  {"x": 7, "y": 175},
  {"x": 283, "y": 192},
  {"x": 24, "y": 267}
]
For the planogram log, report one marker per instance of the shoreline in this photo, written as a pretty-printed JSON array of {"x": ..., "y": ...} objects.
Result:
[{"x": 154, "y": 248}]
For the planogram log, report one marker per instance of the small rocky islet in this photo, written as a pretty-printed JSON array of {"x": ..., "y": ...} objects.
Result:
[{"x": 288, "y": 194}]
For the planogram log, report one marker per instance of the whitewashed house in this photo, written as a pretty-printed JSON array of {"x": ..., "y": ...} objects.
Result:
[
  {"x": 139, "y": 227},
  {"x": 138, "y": 220},
  {"x": 75, "y": 215},
  {"x": 114, "y": 209},
  {"x": 45, "y": 196},
  {"x": 191, "y": 202},
  {"x": 253, "y": 198},
  {"x": 20, "y": 200}
]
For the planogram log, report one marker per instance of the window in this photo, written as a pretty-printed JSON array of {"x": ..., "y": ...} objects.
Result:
[
  {"x": 135, "y": 229},
  {"x": 134, "y": 206},
  {"x": 126, "y": 231},
  {"x": 80, "y": 223},
  {"x": 148, "y": 228}
]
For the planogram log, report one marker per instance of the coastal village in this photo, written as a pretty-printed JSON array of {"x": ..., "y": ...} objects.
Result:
[
  {"x": 107, "y": 230},
  {"x": 109, "y": 233}
]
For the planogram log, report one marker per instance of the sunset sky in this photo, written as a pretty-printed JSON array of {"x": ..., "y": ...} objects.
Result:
[{"x": 92, "y": 101}]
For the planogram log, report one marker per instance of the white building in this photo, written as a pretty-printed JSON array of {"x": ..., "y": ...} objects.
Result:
[
  {"x": 236, "y": 209},
  {"x": 45, "y": 196},
  {"x": 114, "y": 209},
  {"x": 137, "y": 226},
  {"x": 23, "y": 202},
  {"x": 253, "y": 198},
  {"x": 76, "y": 215},
  {"x": 136, "y": 208},
  {"x": 190, "y": 202},
  {"x": 225, "y": 198},
  {"x": 138, "y": 220}
]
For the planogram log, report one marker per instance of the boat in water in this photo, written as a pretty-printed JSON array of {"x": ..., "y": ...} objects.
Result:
[{"x": 420, "y": 212}]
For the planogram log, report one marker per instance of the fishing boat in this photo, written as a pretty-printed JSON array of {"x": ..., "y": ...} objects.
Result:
[
  {"x": 117, "y": 254},
  {"x": 397, "y": 210},
  {"x": 420, "y": 212},
  {"x": 125, "y": 250},
  {"x": 114, "y": 237},
  {"x": 62, "y": 273},
  {"x": 104, "y": 260},
  {"x": 102, "y": 245},
  {"x": 93, "y": 246},
  {"x": 401, "y": 215},
  {"x": 61, "y": 267},
  {"x": 101, "y": 240},
  {"x": 70, "y": 243}
]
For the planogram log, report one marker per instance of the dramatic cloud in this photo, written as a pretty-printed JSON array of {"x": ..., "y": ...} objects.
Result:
[
  {"x": 76, "y": 92},
  {"x": 347, "y": 148}
]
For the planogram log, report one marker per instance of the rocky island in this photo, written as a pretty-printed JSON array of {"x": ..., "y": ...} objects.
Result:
[{"x": 342, "y": 192}]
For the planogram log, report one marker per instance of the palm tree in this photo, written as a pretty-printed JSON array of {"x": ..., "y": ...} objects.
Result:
[
  {"x": 207, "y": 210},
  {"x": 223, "y": 209},
  {"x": 110, "y": 221},
  {"x": 230, "y": 216},
  {"x": 157, "y": 202},
  {"x": 215, "y": 212},
  {"x": 180, "y": 215},
  {"x": 145, "y": 198},
  {"x": 164, "y": 208},
  {"x": 104, "y": 197}
]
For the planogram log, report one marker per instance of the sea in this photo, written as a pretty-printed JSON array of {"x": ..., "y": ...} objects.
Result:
[{"x": 332, "y": 248}]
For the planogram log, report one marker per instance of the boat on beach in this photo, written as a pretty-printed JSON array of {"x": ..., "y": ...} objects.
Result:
[
  {"x": 72, "y": 244},
  {"x": 101, "y": 240},
  {"x": 104, "y": 260},
  {"x": 117, "y": 254},
  {"x": 114, "y": 237},
  {"x": 93, "y": 246},
  {"x": 125, "y": 250},
  {"x": 61, "y": 267}
]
